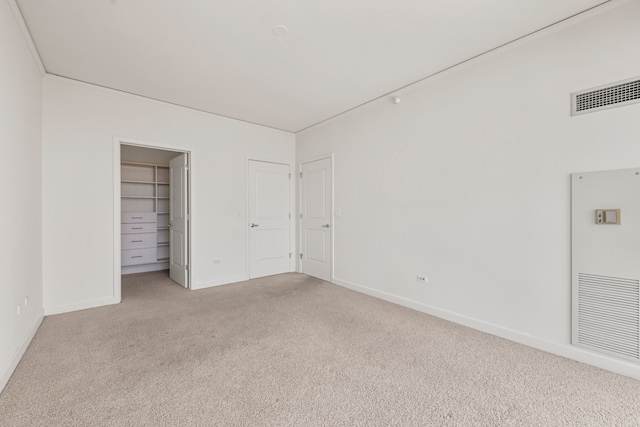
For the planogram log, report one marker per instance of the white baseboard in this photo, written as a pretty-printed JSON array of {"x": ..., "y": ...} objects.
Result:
[
  {"x": 20, "y": 352},
  {"x": 560, "y": 349},
  {"x": 144, "y": 268},
  {"x": 219, "y": 282},
  {"x": 82, "y": 305}
]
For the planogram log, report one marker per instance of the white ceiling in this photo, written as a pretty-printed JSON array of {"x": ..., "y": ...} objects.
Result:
[{"x": 223, "y": 56}]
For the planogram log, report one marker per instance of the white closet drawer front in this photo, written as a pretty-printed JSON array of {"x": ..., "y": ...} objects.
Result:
[
  {"x": 137, "y": 241},
  {"x": 139, "y": 256},
  {"x": 149, "y": 227},
  {"x": 134, "y": 217}
]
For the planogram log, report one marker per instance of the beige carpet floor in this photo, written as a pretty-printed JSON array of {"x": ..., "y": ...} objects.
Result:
[{"x": 291, "y": 350}]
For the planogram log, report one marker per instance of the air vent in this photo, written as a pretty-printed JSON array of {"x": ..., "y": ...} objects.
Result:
[
  {"x": 609, "y": 314},
  {"x": 604, "y": 97}
]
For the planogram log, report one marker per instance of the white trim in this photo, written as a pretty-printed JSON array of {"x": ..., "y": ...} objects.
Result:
[
  {"x": 292, "y": 199},
  {"x": 564, "y": 350},
  {"x": 82, "y": 305},
  {"x": 117, "y": 241},
  {"x": 17, "y": 356},
  {"x": 17, "y": 14},
  {"x": 220, "y": 282},
  {"x": 117, "y": 267},
  {"x": 332, "y": 213},
  {"x": 144, "y": 268}
]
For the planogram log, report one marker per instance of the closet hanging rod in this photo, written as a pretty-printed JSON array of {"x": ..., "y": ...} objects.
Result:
[{"x": 123, "y": 162}]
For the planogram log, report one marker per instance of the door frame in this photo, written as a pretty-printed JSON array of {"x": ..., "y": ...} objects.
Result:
[
  {"x": 299, "y": 212},
  {"x": 292, "y": 201},
  {"x": 117, "y": 267}
]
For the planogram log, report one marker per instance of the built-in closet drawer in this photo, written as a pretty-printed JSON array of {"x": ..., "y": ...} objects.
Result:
[
  {"x": 137, "y": 241},
  {"x": 139, "y": 256},
  {"x": 135, "y": 217},
  {"x": 148, "y": 227}
]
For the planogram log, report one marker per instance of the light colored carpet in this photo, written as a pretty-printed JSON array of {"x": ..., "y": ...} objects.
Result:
[{"x": 291, "y": 350}]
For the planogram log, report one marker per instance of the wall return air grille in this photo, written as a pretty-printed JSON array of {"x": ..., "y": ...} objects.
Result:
[
  {"x": 625, "y": 92},
  {"x": 609, "y": 314}
]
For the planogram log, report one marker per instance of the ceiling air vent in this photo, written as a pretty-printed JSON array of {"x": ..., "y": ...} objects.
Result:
[{"x": 604, "y": 97}]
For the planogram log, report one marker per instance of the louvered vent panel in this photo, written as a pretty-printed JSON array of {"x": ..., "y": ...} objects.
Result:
[
  {"x": 607, "y": 97},
  {"x": 609, "y": 314}
]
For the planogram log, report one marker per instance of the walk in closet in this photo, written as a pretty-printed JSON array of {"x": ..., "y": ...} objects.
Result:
[{"x": 145, "y": 203}]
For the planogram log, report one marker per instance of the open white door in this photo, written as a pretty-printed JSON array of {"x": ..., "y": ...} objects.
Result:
[
  {"x": 316, "y": 219},
  {"x": 178, "y": 221},
  {"x": 269, "y": 219}
]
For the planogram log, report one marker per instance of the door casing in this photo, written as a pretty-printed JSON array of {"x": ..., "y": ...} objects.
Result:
[{"x": 117, "y": 267}]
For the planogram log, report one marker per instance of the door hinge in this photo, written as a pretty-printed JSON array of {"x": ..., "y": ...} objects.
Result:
[
  {"x": 289, "y": 216},
  {"x": 300, "y": 175},
  {"x": 290, "y": 255},
  {"x": 300, "y": 256},
  {"x": 186, "y": 167},
  {"x": 300, "y": 216},
  {"x": 186, "y": 266},
  {"x": 289, "y": 176}
]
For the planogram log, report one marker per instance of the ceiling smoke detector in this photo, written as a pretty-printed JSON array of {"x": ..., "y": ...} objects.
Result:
[{"x": 280, "y": 30}]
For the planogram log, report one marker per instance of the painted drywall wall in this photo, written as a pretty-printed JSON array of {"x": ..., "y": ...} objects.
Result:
[
  {"x": 20, "y": 192},
  {"x": 466, "y": 180},
  {"x": 79, "y": 125}
]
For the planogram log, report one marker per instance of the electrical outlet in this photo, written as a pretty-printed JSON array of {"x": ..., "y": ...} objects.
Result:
[
  {"x": 422, "y": 278},
  {"x": 216, "y": 261}
]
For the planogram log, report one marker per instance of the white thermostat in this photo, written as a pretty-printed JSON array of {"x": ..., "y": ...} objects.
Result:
[{"x": 608, "y": 216}]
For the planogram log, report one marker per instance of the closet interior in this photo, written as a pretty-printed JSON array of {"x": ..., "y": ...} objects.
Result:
[{"x": 145, "y": 202}]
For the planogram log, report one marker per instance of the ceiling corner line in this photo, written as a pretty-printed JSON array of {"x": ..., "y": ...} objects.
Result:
[
  {"x": 24, "y": 29},
  {"x": 160, "y": 101},
  {"x": 475, "y": 57}
]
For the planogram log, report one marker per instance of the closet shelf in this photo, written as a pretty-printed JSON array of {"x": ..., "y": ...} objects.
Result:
[
  {"x": 144, "y": 192},
  {"x": 130, "y": 181}
]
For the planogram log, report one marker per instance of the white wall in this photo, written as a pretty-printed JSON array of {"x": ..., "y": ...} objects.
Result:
[
  {"x": 20, "y": 192},
  {"x": 80, "y": 122},
  {"x": 467, "y": 180}
]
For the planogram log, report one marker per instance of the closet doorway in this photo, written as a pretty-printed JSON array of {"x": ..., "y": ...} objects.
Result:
[{"x": 153, "y": 212}]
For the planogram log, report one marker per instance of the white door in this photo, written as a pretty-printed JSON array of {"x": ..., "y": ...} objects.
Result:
[
  {"x": 178, "y": 221},
  {"x": 316, "y": 219},
  {"x": 269, "y": 219}
]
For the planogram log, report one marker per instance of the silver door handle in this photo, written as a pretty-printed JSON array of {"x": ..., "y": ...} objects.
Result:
[
  {"x": 326, "y": 226},
  {"x": 254, "y": 225}
]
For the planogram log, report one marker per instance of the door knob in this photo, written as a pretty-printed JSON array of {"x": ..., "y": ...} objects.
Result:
[
  {"x": 254, "y": 225},
  {"x": 326, "y": 226}
]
